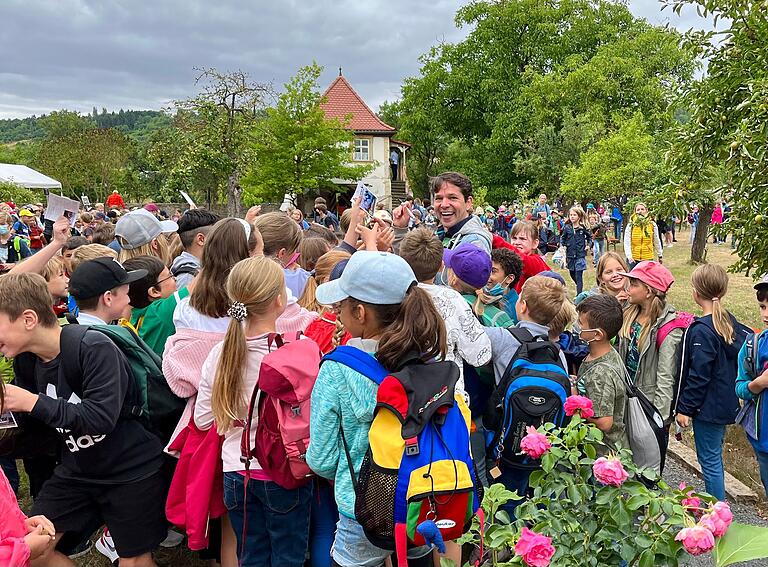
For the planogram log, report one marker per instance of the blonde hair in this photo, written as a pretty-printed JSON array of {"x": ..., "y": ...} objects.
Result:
[
  {"x": 710, "y": 282},
  {"x": 564, "y": 319},
  {"x": 323, "y": 268},
  {"x": 583, "y": 221},
  {"x": 544, "y": 297},
  {"x": 52, "y": 269},
  {"x": 175, "y": 247},
  {"x": 89, "y": 252},
  {"x": 254, "y": 282},
  {"x": 634, "y": 310},
  {"x": 157, "y": 247},
  {"x": 278, "y": 230}
]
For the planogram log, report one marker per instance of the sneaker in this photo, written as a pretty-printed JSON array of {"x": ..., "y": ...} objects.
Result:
[
  {"x": 173, "y": 539},
  {"x": 83, "y": 548},
  {"x": 106, "y": 547}
]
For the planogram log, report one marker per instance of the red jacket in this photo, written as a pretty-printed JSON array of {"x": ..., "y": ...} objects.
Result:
[
  {"x": 532, "y": 263},
  {"x": 115, "y": 201},
  {"x": 196, "y": 493}
]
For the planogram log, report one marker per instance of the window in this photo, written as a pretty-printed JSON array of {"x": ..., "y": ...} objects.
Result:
[{"x": 362, "y": 149}]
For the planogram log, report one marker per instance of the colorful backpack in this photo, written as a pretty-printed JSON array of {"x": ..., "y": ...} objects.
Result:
[
  {"x": 531, "y": 392},
  {"x": 417, "y": 483},
  {"x": 682, "y": 321},
  {"x": 286, "y": 378}
]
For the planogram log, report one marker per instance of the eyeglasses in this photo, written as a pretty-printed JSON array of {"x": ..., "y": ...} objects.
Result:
[{"x": 158, "y": 282}]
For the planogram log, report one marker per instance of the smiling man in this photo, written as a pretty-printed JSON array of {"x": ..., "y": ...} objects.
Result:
[{"x": 453, "y": 202}]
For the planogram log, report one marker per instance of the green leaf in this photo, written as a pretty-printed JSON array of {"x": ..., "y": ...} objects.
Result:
[
  {"x": 638, "y": 501},
  {"x": 647, "y": 559},
  {"x": 741, "y": 543}
]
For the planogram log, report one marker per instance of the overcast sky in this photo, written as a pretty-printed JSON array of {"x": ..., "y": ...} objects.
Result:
[{"x": 140, "y": 54}]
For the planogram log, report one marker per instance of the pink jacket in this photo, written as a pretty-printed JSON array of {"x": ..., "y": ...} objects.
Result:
[
  {"x": 717, "y": 216},
  {"x": 183, "y": 359},
  {"x": 14, "y": 551}
]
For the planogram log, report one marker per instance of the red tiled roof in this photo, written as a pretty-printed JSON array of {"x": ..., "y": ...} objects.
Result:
[{"x": 341, "y": 100}]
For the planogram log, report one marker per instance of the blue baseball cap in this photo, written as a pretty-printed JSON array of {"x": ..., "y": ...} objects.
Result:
[
  {"x": 380, "y": 278},
  {"x": 553, "y": 275},
  {"x": 470, "y": 264}
]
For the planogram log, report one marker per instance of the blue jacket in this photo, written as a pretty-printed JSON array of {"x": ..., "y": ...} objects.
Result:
[
  {"x": 575, "y": 241},
  {"x": 708, "y": 375}
]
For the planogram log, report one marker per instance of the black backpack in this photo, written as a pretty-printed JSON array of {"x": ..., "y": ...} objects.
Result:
[{"x": 531, "y": 392}]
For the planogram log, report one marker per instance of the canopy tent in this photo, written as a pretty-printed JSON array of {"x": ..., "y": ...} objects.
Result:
[{"x": 26, "y": 177}]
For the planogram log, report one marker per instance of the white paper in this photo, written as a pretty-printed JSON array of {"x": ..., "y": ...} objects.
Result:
[
  {"x": 86, "y": 201},
  {"x": 7, "y": 421},
  {"x": 188, "y": 199},
  {"x": 58, "y": 206}
]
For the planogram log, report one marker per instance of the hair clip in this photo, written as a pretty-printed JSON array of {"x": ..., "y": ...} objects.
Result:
[{"x": 237, "y": 311}]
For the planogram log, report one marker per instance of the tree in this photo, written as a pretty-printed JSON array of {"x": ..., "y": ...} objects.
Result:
[
  {"x": 535, "y": 84},
  {"x": 723, "y": 150},
  {"x": 298, "y": 149},
  {"x": 625, "y": 162},
  {"x": 212, "y": 135},
  {"x": 85, "y": 161}
]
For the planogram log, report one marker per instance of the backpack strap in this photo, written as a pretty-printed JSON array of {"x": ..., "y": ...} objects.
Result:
[
  {"x": 359, "y": 361},
  {"x": 750, "y": 362},
  {"x": 189, "y": 269},
  {"x": 70, "y": 343},
  {"x": 682, "y": 321},
  {"x": 522, "y": 335}
]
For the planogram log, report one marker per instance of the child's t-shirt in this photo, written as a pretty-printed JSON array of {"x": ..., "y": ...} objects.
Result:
[
  {"x": 155, "y": 321},
  {"x": 602, "y": 382}
]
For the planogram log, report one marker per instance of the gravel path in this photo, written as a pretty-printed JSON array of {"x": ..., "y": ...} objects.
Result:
[{"x": 674, "y": 474}]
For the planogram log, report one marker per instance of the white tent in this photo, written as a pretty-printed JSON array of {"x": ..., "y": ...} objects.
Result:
[{"x": 26, "y": 177}]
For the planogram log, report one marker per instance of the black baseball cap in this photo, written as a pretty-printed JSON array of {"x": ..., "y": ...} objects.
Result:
[{"x": 98, "y": 276}]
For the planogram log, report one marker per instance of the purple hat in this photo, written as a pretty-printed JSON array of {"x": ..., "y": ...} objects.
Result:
[
  {"x": 470, "y": 264},
  {"x": 553, "y": 275}
]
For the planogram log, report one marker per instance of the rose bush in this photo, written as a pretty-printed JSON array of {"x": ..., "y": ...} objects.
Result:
[{"x": 585, "y": 510}]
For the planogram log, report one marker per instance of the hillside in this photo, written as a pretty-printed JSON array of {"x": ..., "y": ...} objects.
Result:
[{"x": 138, "y": 124}]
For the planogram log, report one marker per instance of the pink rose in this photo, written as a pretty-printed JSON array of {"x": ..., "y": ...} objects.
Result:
[
  {"x": 609, "y": 471},
  {"x": 580, "y": 404},
  {"x": 696, "y": 540},
  {"x": 718, "y": 520},
  {"x": 723, "y": 511},
  {"x": 690, "y": 502},
  {"x": 535, "y": 549},
  {"x": 535, "y": 444}
]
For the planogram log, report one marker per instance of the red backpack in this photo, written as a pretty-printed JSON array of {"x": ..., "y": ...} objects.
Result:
[{"x": 286, "y": 377}]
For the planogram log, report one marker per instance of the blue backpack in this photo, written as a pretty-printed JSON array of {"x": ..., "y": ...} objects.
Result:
[
  {"x": 417, "y": 483},
  {"x": 531, "y": 392},
  {"x": 753, "y": 416}
]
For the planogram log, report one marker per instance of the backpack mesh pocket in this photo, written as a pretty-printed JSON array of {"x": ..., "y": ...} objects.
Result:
[{"x": 375, "y": 502}]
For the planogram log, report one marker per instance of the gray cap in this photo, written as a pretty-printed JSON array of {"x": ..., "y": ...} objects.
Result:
[{"x": 141, "y": 227}]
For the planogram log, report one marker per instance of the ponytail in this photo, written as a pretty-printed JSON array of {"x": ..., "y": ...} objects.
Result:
[
  {"x": 710, "y": 282},
  {"x": 227, "y": 395},
  {"x": 338, "y": 333},
  {"x": 308, "y": 300},
  {"x": 416, "y": 326}
]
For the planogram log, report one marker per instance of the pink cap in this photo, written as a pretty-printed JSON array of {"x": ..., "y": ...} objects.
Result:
[
  {"x": 151, "y": 207},
  {"x": 653, "y": 274}
]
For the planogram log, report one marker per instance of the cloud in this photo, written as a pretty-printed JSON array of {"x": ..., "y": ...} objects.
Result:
[{"x": 77, "y": 54}]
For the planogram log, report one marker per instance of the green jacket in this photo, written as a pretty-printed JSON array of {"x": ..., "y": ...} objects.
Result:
[
  {"x": 658, "y": 370},
  {"x": 154, "y": 323},
  {"x": 492, "y": 316}
]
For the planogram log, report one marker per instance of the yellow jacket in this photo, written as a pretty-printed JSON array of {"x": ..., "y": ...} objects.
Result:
[{"x": 641, "y": 241}]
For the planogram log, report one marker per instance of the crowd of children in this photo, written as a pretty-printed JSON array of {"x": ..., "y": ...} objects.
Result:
[{"x": 141, "y": 389}]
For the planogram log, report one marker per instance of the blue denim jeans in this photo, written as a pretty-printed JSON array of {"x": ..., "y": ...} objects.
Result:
[
  {"x": 322, "y": 524},
  {"x": 598, "y": 249},
  {"x": 352, "y": 549},
  {"x": 762, "y": 460},
  {"x": 271, "y": 523},
  {"x": 709, "y": 439}
]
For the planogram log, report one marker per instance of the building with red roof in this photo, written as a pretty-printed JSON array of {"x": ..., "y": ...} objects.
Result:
[{"x": 373, "y": 143}]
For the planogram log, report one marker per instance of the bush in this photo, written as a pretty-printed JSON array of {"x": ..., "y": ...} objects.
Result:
[{"x": 20, "y": 195}]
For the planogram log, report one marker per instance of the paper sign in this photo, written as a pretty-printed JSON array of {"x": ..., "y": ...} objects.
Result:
[
  {"x": 62, "y": 206},
  {"x": 86, "y": 201},
  {"x": 7, "y": 421},
  {"x": 188, "y": 199}
]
